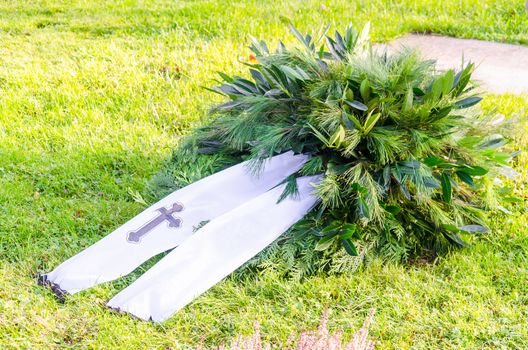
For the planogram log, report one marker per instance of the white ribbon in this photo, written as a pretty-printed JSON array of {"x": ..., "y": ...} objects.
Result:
[
  {"x": 213, "y": 252},
  {"x": 172, "y": 220}
]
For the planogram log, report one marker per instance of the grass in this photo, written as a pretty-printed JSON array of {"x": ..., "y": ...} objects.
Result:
[{"x": 93, "y": 98}]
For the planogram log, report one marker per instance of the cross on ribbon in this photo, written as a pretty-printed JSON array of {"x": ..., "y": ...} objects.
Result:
[{"x": 165, "y": 215}]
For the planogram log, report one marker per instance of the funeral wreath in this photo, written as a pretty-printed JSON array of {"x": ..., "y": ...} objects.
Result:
[
  {"x": 360, "y": 149},
  {"x": 408, "y": 160}
]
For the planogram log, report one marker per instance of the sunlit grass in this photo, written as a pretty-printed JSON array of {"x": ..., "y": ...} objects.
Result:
[{"x": 93, "y": 98}]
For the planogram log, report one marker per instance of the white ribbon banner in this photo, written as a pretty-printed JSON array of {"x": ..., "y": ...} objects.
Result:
[
  {"x": 168, "y": 223},
  {"x": 242, "y": 216},
  {"x": 213, "y": 252}
]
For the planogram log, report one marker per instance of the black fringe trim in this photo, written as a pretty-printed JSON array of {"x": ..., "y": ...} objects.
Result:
[
  {"x": 121, "y": 312},
  {"x": 60, "y": 293}
]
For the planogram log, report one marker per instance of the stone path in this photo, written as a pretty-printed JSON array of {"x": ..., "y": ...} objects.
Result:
[{"x": 500, "y": 67}]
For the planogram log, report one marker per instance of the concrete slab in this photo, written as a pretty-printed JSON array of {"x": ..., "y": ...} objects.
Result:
[{"x": 501, "y": 68}]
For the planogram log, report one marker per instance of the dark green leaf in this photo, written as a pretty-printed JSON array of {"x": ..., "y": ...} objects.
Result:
[
  {"x": 493, "y": 142},
  {"x": 226, "y": 77},
  {"x": 468, "y": 102},
  {"x": 432, "y": 161},
  {"x": 258, "y": 77},
  {"x": 430, "y": 182},
  {"x": 446, "y": 187},
  {"x": 418, "y": 92},
  {"x": 339, "y": 42},
  {"x": 354, "y": 120},
  {"x": 357, "y": 105},
  {"x": 331, "y": 229},
  {"x": 330, "y": 43},
  {"x": 393, "y": 209},
  {"x": 462, "y": 79},
  {"x": 363, "y": 208},
  {"x": 473, "y": 170},
  {"x": 290, "y": 190},
  {"x": 465, "y": 178},
  {"x": 349, "y": 247}
]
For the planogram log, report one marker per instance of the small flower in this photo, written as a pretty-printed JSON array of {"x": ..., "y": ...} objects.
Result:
[{"x": 252, "y": 58}]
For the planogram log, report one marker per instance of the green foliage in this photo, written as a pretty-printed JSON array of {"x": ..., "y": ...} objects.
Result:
[
  {"x": 403, "y": 153},
  {"x": 90, "y": 110}
]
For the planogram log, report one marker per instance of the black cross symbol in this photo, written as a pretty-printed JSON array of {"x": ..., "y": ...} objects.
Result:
[{"x": 165, "y": 215}]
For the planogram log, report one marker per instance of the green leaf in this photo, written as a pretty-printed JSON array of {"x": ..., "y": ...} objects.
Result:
[
  {"x": 474, "y": 228},
  {"x": 273, "y": 92},
  {"x": 469, "y": 141},
  {"x": 330, "y": 43},
  {"x": 292, "y": 73},
  {"x": 229, "y": 105},
  {"x": 349, "y": 247},
  {"x": 473, "y": 170},
  {"x": 319, "y": 135},
  {"x": 440, "y": 113},
  {"x": 324, "y": 243},
  {"x": 451, "y": 228},
  {"x": 357, "y": 105},
  {"x": 364, "y": 90},
  {"x": 418, "y": 92},
  {"x": 408, "y": 100},
  {"x": 393, "y": 209},
  {"x": 348, "y": 231},
  {"x": 290, "y": 190},
  {"x": 363, "y": 208},
  {"x": 462, "y": 79},
  {"x": 454, "y": 238},
  {"x": 338, "y": 137},
  {"x": 371, "y": 122},
  {"x": 465, "y": 178},
  {"x": 499, "y": 157},
  {"x": 430, "y": 182},
  {"x": 355, "y": 120},
  {"x": 451, "y": 233},
  {"x": 447, "y": 190},
  {"x": 302, "y": 73},
  {"x": 226, "y": 77},
  {"x": 504, "y": 210},
  {"x": 331, "y": 229},
  {"x": 448, "y": 80},
  {"x": 437, "y": 88},
  {"x": 411, "y": 164},
  {"x": 510, "y": 199},
  {"x": 433, "y": 161},
  {"x": 298, "y": 35},
  {"x": 468, "y": 102}
]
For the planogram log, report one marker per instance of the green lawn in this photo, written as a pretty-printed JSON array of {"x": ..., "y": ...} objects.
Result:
[{"x": 95, "y": 95}]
